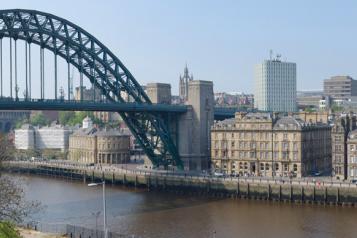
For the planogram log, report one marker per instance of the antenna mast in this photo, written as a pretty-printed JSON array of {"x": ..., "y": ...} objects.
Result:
[{"x": 271, "y": 54}]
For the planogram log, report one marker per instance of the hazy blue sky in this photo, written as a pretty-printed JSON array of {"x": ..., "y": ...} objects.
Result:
[{"x": 220, "y": 40}]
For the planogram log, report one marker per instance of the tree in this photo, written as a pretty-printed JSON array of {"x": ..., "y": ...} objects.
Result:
[
  {"x": 336, "y": 108},
  {"x": 72, "y": 118},
  {"x": 39, "y": 120},
  {"x": 13, "y": 206},
  {"x": 7, "y": 230},
  {"x": 64, "y": 117}
]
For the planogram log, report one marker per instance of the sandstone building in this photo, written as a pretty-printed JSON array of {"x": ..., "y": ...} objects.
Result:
[
  {"x": 92, "y": 145},
  {"x": 262, "y": 145},
  {"x": 342, "y": 126},
  {"x": 352, "y": 156}
]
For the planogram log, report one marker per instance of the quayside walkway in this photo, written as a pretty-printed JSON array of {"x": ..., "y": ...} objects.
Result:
[{"x": 294, "y": 190}]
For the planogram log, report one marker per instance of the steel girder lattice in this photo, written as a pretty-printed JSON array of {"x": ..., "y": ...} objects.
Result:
[{"x": 103, "y": 69}]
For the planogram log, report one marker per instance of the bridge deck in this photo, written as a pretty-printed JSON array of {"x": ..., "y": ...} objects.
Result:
[
  {"x": 74, "y": 105},
  {"x": 65, "y": 105}
]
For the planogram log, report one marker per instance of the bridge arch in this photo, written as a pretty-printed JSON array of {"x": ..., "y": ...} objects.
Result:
[{"x": 104, "y": 70}]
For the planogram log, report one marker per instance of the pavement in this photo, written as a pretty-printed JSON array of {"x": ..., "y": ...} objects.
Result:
[{"x": 25, "y": 233}]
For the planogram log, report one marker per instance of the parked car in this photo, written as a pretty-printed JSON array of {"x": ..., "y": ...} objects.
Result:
[
  {"x": 218, "y": 174},
  {"x": 354, "y": 181},
  {"x": 317, "y": 173}
]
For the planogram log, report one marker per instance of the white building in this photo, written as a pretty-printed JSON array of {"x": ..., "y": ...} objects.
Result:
[
  {"x": 275, "y": 86},
  {"x": 87, "y": 123},
  {"x": 25, "y": 137},
  {"x": 55, "y": 137}
]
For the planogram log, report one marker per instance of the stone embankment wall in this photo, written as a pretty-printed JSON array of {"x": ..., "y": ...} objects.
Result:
[{"x": 274, "y": 190}]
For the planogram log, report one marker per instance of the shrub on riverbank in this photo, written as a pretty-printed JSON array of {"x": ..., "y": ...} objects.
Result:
[{"x": 7, "y": 230}]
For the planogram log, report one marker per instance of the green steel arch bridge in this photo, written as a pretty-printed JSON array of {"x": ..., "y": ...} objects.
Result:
[{"x": 98, "y": 67}]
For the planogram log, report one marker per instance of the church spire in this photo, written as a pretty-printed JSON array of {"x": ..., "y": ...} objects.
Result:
[{"x": 183, "y": 89}]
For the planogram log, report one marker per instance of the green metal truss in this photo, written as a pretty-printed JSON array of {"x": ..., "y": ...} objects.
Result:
[{"x": 103, "y": 69}]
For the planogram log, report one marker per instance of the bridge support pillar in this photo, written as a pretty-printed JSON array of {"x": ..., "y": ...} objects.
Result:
[{"x": 194, "y": 126}]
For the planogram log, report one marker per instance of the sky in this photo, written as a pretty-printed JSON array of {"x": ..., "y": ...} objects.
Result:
[{"x": 220, "y": 41}]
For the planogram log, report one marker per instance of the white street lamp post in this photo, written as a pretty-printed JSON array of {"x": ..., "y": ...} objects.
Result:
[{"x": 104, "y": 207}]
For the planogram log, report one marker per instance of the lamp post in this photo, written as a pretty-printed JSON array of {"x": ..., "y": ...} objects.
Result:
[
  {"x": 104, "y": 207},
  {"x": 96, "y": 214}
]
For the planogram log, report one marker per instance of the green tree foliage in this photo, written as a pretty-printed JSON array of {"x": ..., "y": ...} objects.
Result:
[
  {"x": 310, "y": 109},
  {"x": 39, "y": 120},
  {"x": 65, "y": 117},
  {"x": 7, "y": 230},
  {"x": 336, "y": 108},
  {"x": 73, "y": 118}
]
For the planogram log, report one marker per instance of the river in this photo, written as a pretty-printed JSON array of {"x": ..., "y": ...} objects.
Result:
[{"x": 156, "y": 214}]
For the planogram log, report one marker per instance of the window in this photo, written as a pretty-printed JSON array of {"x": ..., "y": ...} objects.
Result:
[
  {"x": 286, "y": 167},
  {"x": 253, "y": 145},
  {"x": 295, "y": 146},
  {"x": 276, "y": 166},
  {"x": 285, "y": 155},
  {"x": 295, "y": 167},
  {"x": 267, "y": 166},
  {"x": 232, "y": 144},
  {"x": 285, "y": 145},
  {"x": 295, "y": 156},
  {"x": 276, "y": 145},
  {"x": 261, "y": 166},
  {"x": 285, "y": 136}
]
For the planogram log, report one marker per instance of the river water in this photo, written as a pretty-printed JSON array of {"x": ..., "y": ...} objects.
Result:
[{"x": 156, "y": 215}]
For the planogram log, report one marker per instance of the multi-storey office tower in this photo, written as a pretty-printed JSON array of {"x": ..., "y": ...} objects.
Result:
[
  {"x": 340, "y": 87},
  {"x": 275, "y": 86}
]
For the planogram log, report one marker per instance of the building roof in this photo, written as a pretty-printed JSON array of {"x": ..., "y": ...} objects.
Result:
[
  {"x": 99, "y": 132},
  {"x": 289, "y": 122},
  {"x": 257, "y": 116},
  {"x": 111, "y": 132},
  {"x": 295, "y": 123},
  {"x": 85, "y": 132}
]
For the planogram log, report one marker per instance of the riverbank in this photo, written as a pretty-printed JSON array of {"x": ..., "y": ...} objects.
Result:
[{"x": 293, "y": 191}]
